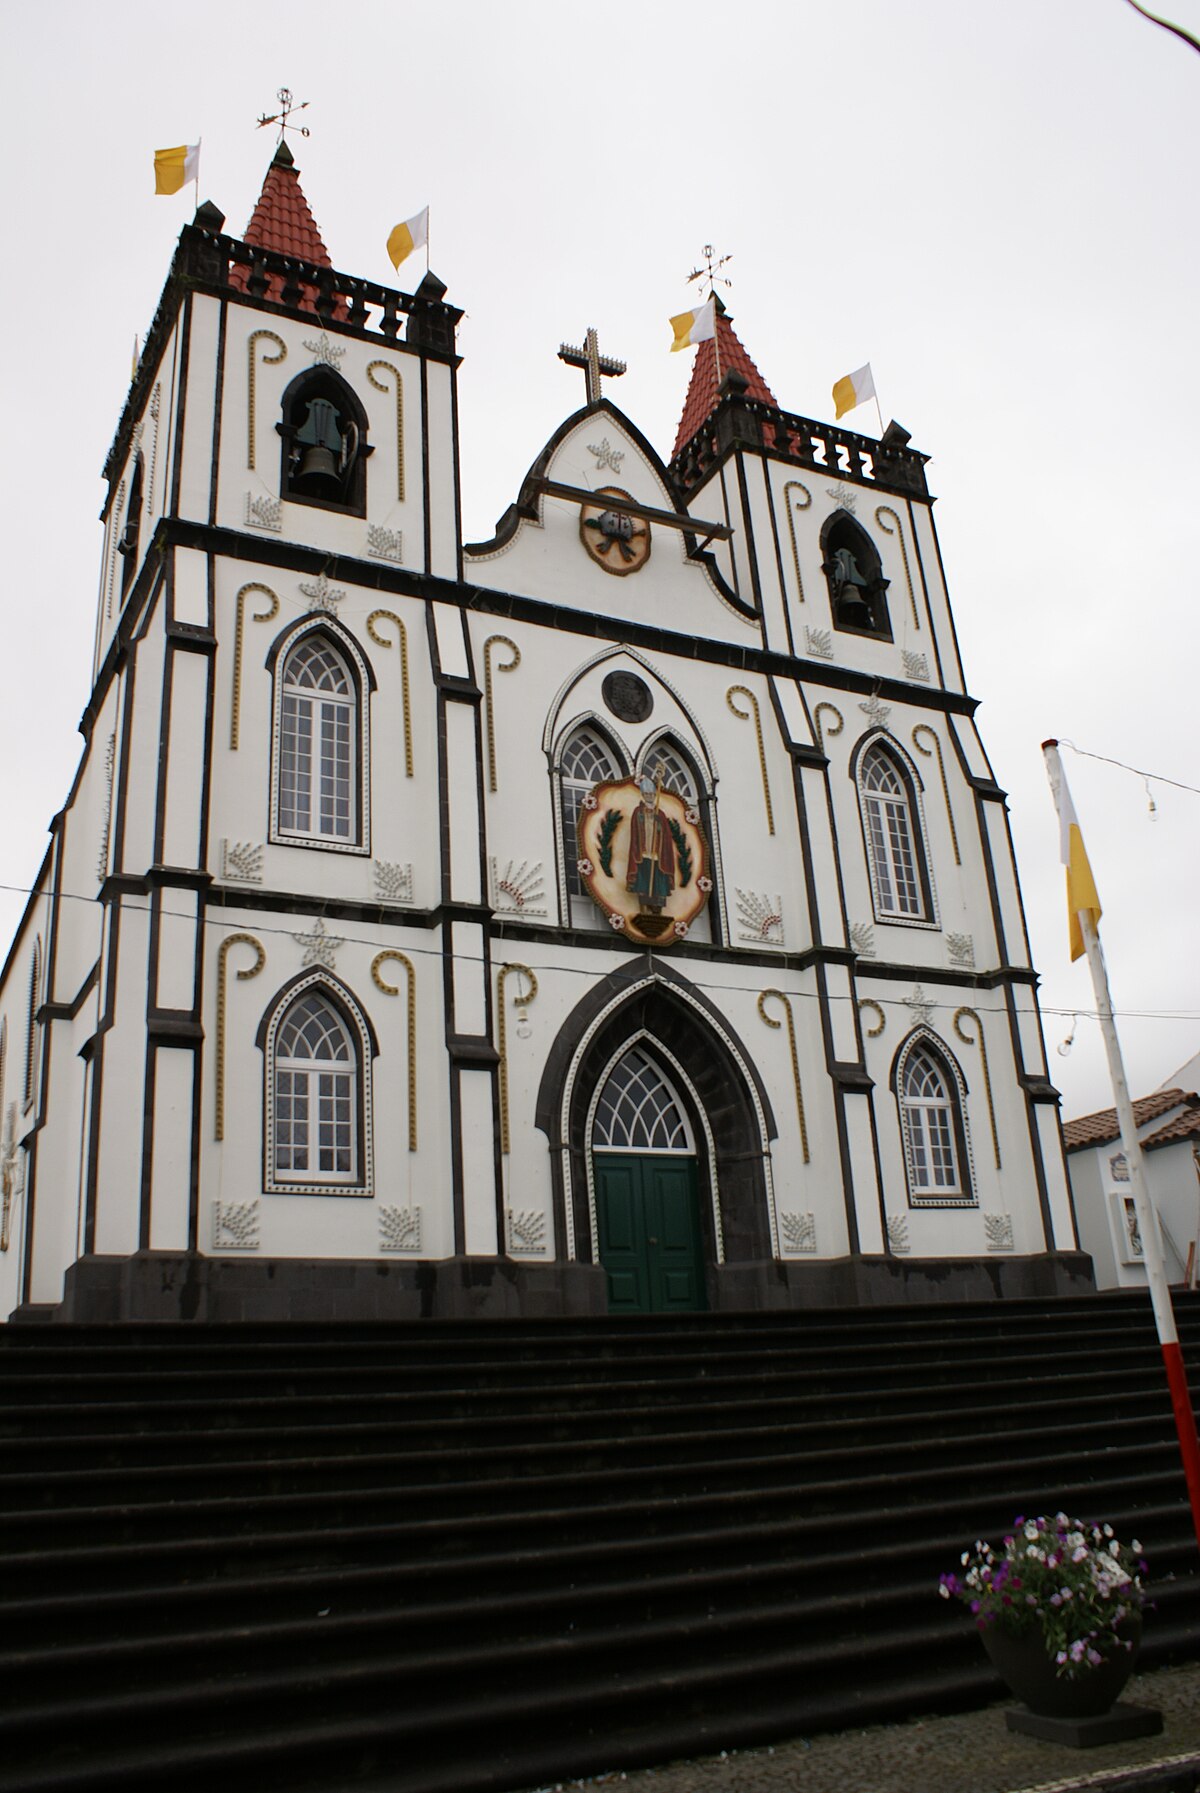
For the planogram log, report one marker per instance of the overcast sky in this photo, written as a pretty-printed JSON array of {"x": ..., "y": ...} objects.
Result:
[{"x": 993, "y": 205}]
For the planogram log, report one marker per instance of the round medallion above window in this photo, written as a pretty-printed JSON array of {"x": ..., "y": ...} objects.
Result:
[{"x": 628, "y": 697}]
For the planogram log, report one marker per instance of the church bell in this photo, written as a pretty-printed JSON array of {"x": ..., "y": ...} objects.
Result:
[{"x": 322, "y": 450}]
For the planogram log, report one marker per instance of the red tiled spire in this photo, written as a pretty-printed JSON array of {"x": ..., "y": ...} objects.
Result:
[
  {"x": 282, "y": 222},
  {"x": 703, "y": 392}
]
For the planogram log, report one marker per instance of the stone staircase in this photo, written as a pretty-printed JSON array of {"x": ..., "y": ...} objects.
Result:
[{"x": 443, "y": 1557}]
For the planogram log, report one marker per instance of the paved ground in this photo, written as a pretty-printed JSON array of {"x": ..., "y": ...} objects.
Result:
[{"x": 972, "y": 1752}]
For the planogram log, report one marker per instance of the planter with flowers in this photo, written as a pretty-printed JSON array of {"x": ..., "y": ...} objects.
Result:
[{"x": 1059, "y": 1611}]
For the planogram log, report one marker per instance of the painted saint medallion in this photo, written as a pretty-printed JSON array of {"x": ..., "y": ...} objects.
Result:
[
  {"x": 615, "y": 539},
  {"x": 643, "y": 859}
]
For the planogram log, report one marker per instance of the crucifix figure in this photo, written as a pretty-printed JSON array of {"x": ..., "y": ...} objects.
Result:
[
  {"x": 282, "y": 118},
  {"x": 592, "y": 362}
]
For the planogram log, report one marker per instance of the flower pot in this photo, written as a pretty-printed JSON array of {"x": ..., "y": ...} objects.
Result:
[{"x": 1033, "y": 1675}]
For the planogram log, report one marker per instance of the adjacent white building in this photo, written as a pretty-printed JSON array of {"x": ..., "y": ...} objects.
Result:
[
  {"x": 320, "y": 1008},
  {"x": 1168, "y": 1124}
]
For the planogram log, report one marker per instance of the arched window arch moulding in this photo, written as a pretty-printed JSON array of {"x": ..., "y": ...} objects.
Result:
[
  {"x": 931, "y": 1095},
  {"x": 894, "y": 838},
  {"x": 318, "y": 1052},
  {"x": 320, "y": 739}
]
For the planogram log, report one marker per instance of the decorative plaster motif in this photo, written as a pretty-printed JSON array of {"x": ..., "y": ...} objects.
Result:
[
  {"x": 389, "y": 367},
  {"x": 835, "y": 727},
  {"x": 618, "y": 541},
  {"x": 110, "y": 760},
  {"x": 748, "y": 716},
  {"x": 326, "y": 352},
  {"x": 970, "y": 1015},
  {"x": 242, "y": 860},
  {"x": 389, "y": 616},
  {"x": 239, "y": 630},
  {"x": 961, "y": 948},
  {"x": 519, "y": 889},
  {"x": 883, "y": 511},
  {"x": 223, "y": 951},
  {"x": 385, "y": 544},
  {"x": 399, "y": 1228},
  {"x": 761, "y": 917},
  {"x": 873, "y": 1033},
  {"x": 923, "y": 728},
  {"x": 155, "y": 411},
  {"x": 12, "y": 1174},
  {"x": 321, "y": 595},
  {"x": 876, "y": 710},
  {"x": 862, "y": 939},
  {"x": 521, "y": 1001},
  {"x": 381, "y": 983},
  {"x": 799, "y": 1231},
  {"x": 999, "y": 1231},
  {"x": 393, "y": 882},
  {"x": 897, "y": 1232},
  {"x": 1118, "y": 1167},
  {"x": 264, "y": 513},
  {"x": 916, "y": 666},
  {"x": 320, "y": 947},
  {"x": 920, "y": 1007},
  {"x": 488, "y": 705},
  {"x": 846, "y": 496},
  {"x": 526, "y": 1231},
  {"x": 792, "y": 505},
  {"x": 255, "y": 337},
  {"x": 606, "y": 455},
  {"x": 235, "y": 1226},
  {"x": 791, "y": 1034},
  {"x": 819, "y": 643}
]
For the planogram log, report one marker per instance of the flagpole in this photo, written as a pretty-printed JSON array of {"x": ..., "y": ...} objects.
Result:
[{"x": 1147, "y": 1218}]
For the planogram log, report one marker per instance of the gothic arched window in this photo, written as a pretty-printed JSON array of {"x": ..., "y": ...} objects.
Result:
[
  {"x": 325, "y": 449},
  {"x": 586, "y": 760},
  {"x": 31, "y": 1024},
  {"x": 854, "y": 574},
  {"x": 668, "y": 768},
  {"x": 899, "y": 876},
  {"x": 319, "y": 751},
  {"x": 930, "y": 1093},
  {"x": 638, "y": 1111},
  {"x": 317, "y": 1118}
]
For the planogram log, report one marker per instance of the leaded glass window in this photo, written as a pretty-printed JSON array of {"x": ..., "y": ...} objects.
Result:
[
  {"x": 929, "y": 1108},
  {"x": 891, "y": 838},
  {"x": 314, "y": 1099},
  {"x": 638, "y": 1111},
  {"x": 318, "y": 726},
  {"x": 586, "y": 761},
  {"x": 668, "y": 769}
]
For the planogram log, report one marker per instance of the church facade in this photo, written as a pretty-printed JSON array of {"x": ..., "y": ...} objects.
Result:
[{"x": 619, "y": 914}]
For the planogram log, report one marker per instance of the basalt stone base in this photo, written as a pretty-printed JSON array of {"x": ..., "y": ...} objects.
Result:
[
  {"x": 1117, "y": 1725},
  {"x": 156, "y": 1285},
  {"x": 862, "y": 1281}
]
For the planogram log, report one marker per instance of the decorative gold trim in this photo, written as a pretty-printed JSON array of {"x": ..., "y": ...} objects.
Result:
[
  {"x": 833, "y": 711},
  {"x": 520, "y": 1002},
  {"x": 393, "y": 990},
  {"x": 491, "y": 642},
  {"x": 264, "y": 616},
  {"x": 381, "y": 641},
  {"x": 741, "y": 691},
  {"x": 391, "y": 368},
  {"x": 251, "y": 381},
  {"x": 794, "y": 485},
  {"x": 885, "y": 510},
  {"x": 987, "y": 1076},
  {"x": 791, "y": 1034},
  {"x": 873, "y": 1033},
  {"x": 923, "y": 728},
  {"x": 229, "y": 941}
]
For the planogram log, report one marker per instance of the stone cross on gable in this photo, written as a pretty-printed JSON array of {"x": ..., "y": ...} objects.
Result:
[{"x": 592, "y": 362}]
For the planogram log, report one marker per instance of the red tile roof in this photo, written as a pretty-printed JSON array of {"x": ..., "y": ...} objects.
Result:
[
  {"x": 282, "y": 222},
  {"x": 1098, "y": 1129},
  {"x": 1183, "y": 1126},
  {"x": 703, "y": 392}
]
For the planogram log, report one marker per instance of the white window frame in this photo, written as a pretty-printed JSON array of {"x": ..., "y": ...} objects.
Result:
[
  {"x": 921, "y": 1192},
  {"x": 358, "y": 1180},
  {"x": 358, "y": 841},
  {"x": 886, "y": 910}
]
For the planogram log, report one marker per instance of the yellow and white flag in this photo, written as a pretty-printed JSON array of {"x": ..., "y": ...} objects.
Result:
[
  {"x": 695, "y": 326},
  {"x": 412, "y": 234},
  {"x": 174, "y": 168},
  {"x": 853, "y": 389},
  {"x": 1081, "y": 886}
]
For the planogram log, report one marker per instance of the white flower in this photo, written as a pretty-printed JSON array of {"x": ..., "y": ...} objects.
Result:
[
  {"x": 590, "y": 802},
  {"x": 617, "y": 922},
  {"x": 1031, "y": 1530},
  {"x": 584, "y": 867},
  {"x": 704, "y": 884},
  {"x": 692, "y": 816},
  {"x": 681, "y": 929}
]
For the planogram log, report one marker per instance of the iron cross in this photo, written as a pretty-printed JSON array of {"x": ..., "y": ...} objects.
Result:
[{"x": 592, "y": 362}]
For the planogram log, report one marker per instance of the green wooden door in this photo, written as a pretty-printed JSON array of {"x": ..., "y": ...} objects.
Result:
[{"x": 648, "y": 1212}]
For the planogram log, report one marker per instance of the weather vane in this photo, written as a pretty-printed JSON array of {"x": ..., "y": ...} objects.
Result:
[
  {"x": 281, "y": 118},
  {"x": 711, "y": 271}
]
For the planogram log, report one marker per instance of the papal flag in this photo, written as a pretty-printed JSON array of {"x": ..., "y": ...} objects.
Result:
[
  {"x": 695, "y": 326},
  {"x": 1081, "y": 886},
  {"x": 853, "y": 389},
  {"x": 412, "y": 234},
  {"x": 174, "y": 168}
]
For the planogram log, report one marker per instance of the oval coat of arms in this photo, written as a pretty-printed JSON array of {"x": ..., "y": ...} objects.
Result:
[{"x": 643, "y": 859}]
